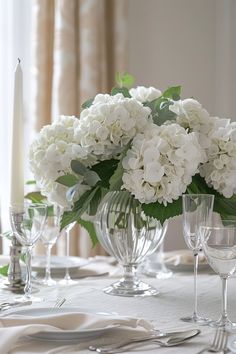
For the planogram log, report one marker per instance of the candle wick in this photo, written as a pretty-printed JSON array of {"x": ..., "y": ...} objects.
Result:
[{"x": 19, "y": 60}]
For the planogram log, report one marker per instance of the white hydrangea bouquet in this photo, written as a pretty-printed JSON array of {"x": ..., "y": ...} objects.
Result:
[{"x": 152, "y": 144}]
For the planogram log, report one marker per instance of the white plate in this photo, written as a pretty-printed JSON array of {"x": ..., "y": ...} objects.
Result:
[
  {"x": 58, "y": 264},
  {"x": 66, "y": 335}
]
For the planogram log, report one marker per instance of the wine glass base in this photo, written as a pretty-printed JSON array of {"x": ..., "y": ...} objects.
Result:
[
  {"x": 132, "y": 290},
  {"x": 223, "y": 323},
  {"x": 48, "y": 282},
  {"x": 66, "y": 282},
  {"x": 197, "y": 319}
]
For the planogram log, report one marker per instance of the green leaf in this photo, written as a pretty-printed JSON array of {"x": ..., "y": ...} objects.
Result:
[
  {"x": 7, "y": 234},
  {"x": 116, "y": 178},
  {"x": 79, "y": 208},
  {"x": 30, "y": 182},
  {"x": 90, "y": 177},
  {"x": 105, "y": 169},
  {"x": 226, "y": 207},
  {"x": 87, "y": 103},
  {"x": 67, "y": 180},
  {"x": 4, "y": 270},
  {"x": 161, "y": 212},
  {"x": 124, "y": 80},
  {"x": 123, "y": 90},
  {"x": 89, "y": 227},
  {"x": 173, "y": 93},
  {"x": 35, "y": 197}
]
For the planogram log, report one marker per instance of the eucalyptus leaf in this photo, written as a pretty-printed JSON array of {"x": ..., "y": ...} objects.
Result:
[
  {"x": 90, "y": 177},
  {"x": 67, "y": 180},
  {"x": 35, "y": 197}
]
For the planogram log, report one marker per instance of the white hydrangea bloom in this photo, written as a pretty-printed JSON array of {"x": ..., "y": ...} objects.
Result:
[
  {"x": 50, "y": 156},
  {"x": 109, "y": 124},
  {"x": 220, "y": 169},
  {"x": 191, "y": 115},
  {"x": 145, "y": 94},
  {"x": 161, "y": 162}
]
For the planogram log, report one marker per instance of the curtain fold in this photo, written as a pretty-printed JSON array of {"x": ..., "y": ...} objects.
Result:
[{"x": 78, "y": 46}]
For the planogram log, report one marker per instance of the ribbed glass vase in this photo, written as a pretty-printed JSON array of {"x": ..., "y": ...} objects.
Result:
[{"x": 128, "y": 235}]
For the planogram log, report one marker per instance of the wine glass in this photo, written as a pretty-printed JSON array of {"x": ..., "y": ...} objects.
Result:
[
  {"x": 27, "y": 222},
  {"x": 67, "y": 279},
  {"x": 49, "y": 237},
  {"x": 197, "y": 210},
  {"x": 154, "y": 265},
  {"x": 219, "y": 246}
]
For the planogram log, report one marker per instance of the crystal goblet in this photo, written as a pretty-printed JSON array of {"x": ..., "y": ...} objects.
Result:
[
  {"x": 49, "y": 237},
  {"x": 219, "y": 246},
  {"x": 197, "y": 211},
  {"x": 27, "y": 222}
]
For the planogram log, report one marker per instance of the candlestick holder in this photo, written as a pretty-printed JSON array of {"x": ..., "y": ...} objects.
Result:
[{"x": 15, "y": 281}]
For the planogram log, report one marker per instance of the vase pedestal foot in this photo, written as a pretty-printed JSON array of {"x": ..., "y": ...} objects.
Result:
[{"x": 120, "y": 288}]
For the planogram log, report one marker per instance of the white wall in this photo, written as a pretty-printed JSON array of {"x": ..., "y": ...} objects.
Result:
[
  {"x": 190, "y": 43},
  {"x": 186, "y": 42}
]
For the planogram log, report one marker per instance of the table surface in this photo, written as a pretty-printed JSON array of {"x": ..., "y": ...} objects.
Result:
[{"x": 164, "y": 311}]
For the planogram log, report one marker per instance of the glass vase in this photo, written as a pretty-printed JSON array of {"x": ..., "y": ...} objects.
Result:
[{"x": 128, "y": 235}]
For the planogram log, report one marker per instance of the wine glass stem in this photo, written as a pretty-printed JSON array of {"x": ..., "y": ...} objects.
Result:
[
  {"x": 67, "y": 275},
  {"x": 224, "y": 299},
  {"x": 48, "y": 265},
  {"x": 195, "y": 253},
  {"x": 28, "y": 288}
]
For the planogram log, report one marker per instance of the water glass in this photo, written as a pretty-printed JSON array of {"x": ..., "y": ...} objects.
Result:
[
  {"x": 27, "y": 222},
  {"x": 197, "y": 211},
  {"x": 219, "y": 246}
]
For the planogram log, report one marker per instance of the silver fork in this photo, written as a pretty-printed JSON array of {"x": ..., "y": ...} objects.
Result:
[
  {"x": 219, "y": 344},
  {"x": 59, "y": 302}
]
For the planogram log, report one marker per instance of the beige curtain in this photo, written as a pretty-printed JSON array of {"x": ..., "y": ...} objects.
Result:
[{"x": 78, "y": 45}]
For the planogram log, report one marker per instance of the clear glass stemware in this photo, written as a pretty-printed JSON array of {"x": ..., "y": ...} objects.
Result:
[
  {"x": 219, "y": 247},
  {"x": 197, "y": 211},
  {"x": 49, "y": 237},
  {"x": 27, "y": 222},
  {"x": 67, "y": 278}
]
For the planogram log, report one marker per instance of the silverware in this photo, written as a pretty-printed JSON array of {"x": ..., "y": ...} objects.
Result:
[
  {"x": 59, "y": 302},
  {"x": 8, "y": 305},
  {"x": 162, "y": 339},
  {"x": 219, "y": 344}
]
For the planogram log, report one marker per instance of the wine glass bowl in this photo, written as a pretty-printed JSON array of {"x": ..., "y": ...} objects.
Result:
[
  {"x": 219, "y": 246},
  {"x": 27, "y": 222},
  {"x": 197, "y": 211}
]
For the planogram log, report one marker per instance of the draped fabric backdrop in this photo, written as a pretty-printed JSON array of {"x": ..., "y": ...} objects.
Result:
[{"x": 78, "y": 46}]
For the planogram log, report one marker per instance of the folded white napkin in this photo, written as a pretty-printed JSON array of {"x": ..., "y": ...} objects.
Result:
[
  {"x": 15, "y": 326},
  {"x": 182, "y": 257}
]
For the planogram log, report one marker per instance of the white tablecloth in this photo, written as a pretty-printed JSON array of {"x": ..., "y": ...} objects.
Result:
[{"x": 175, "y": 300}]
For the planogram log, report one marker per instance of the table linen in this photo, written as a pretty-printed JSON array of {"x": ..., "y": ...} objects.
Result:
[{"x": 163, "y": 311}]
